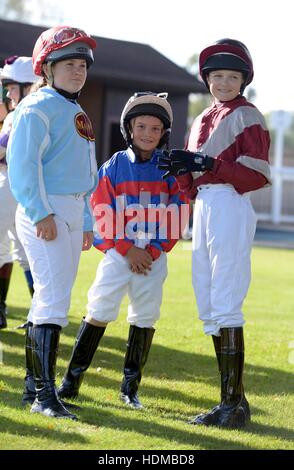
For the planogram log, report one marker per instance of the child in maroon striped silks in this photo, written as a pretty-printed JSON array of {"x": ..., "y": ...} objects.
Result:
[{"x": 226, "y": 158}]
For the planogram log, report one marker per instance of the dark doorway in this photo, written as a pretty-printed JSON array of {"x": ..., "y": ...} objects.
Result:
[{"x": 116, "y": 139}]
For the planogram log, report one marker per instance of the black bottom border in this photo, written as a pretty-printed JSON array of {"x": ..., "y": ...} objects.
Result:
[{"x": 140, "y": 458}]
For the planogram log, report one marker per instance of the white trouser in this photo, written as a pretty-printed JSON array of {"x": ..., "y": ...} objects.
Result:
[
  {"x": 8, "y": 203},
  {"x": 53, "y": 264},
  {"x": 7, "y": 225},
  {"x": 7, "y": 215},
  {"x": 18, "y": 252},
  {"x": 114, "y": 280},
  {"x": 5, "y": 250},
  {"x": 223, "y": 230},
  {"x": 12, "y": 250}
]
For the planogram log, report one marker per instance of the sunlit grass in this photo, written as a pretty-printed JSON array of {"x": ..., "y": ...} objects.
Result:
[{"x": 180, "y": 378}]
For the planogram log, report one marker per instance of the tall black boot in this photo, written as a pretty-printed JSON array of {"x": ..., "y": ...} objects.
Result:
[
  {"x": 5, "y": 275},
  {"x": 233, "y": 411},
  {"x": 87, "y": 341},
  {"x": 29, "y": 392},
  {"x": 138, "y": 347},
  {"x": 45, "y": 340},
  {"x": 217, "y": 348}
]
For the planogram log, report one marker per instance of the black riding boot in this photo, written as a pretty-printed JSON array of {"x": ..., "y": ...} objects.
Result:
[
  {"x": 45, "y": 340},
  {"x": 233, "y": 411},
  {"x": 87, "y": 342},
  {"x": 217, "y": 348},
  {"x": 138, "y": 346},
  {"x": 5, "y": 275},
  {"x": 29, "y": 392}
]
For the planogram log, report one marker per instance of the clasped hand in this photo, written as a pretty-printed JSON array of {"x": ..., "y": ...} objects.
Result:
[
  {"x": 140, "y": 260},
  {"x": 178, "y": 162}
]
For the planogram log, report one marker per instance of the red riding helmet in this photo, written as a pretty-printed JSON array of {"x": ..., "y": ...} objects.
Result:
[
  {"x": 60, "y": 43},
  {"x": 227, "y": 54}
]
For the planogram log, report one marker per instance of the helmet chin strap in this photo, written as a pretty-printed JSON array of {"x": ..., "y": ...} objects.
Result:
[{"x": 49, "y": 75}]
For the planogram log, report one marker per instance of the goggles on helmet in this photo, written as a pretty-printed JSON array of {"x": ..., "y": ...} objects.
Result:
[{"x": 62, "y": 42}]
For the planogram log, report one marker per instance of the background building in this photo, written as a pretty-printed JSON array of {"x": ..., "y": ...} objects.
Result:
[
  {"x": 123, "y": 67},
  {"x": 120, "y": 69}
]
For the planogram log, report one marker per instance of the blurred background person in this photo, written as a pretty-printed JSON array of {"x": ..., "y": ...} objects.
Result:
[{"x": 16, "y": 77}]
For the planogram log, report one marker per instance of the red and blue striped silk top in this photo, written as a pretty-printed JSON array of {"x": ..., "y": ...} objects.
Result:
[{"x": 133, "y": 205}]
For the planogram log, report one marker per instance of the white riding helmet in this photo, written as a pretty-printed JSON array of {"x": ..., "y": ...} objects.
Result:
[
  {"x": 18, "y": 70},
  {"x": 149, "y": 103}
]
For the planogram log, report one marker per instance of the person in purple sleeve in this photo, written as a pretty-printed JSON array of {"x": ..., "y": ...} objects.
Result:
[{"x": 16, "y": 78}]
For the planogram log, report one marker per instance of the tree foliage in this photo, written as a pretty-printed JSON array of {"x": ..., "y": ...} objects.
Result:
[
  {"x": 198, "y": 102},
  {"x": 30, "y": 11},
  {"x": 13, "y": 9}
]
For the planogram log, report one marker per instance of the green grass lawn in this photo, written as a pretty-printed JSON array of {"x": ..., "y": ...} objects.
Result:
[{"x": 180, "y": 378}]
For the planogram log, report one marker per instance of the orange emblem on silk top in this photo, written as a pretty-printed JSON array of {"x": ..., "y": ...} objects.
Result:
[{"x": 84, "y": 126}]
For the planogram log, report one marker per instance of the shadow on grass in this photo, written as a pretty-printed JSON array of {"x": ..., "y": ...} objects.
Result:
[
  {"x": 16, "y": 316},
  {"x": 164, "y": 364},
  {"x": 264, "y": 430},
  {"x": 102, "y": 415},
  {"x": 133, "y": 422},
  {"x": 14, "y": 427}
]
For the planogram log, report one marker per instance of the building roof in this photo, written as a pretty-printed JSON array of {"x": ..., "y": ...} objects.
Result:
[{"x": 116, "y": 62}]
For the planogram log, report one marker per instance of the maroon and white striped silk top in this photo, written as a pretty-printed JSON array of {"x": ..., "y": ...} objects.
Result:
[{"x": 235, "y": 134}]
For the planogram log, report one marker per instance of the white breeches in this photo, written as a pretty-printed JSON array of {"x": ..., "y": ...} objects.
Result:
[
  {"x": 54, "y": 263},
  {"x": 10, "y": 247},
  {"x": 7, "y": 215},
  {"x": 114, "y": 280},
  {"x": 223, "y": 230}
]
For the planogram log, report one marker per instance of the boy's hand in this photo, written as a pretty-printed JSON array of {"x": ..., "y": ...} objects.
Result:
[
  {"x": 140, "y": 260},
  {"x": 46, "y": 228},
  {"x": 88, "y": 238},
  {"x": 179, "y": 162}
]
